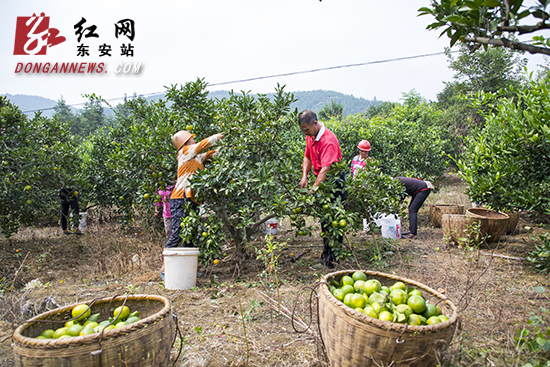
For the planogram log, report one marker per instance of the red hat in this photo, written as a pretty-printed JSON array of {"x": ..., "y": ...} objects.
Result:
[{"x": 364, "y": 145}]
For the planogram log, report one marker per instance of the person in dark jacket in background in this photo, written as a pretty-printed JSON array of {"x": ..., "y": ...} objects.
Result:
[
  {"x": 418, "y": 190},
  {"x": 69, "y": 199}
]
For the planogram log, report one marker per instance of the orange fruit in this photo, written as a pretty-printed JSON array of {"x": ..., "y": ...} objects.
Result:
[
  {"x": 398, "y": 296},
  {"x": 75, "y": 330},
  {"x": 357, "y": 301},
  {"x": 414, "y": 319},
  {"x": 80, "y": 311},
  {"x": 359, "y": 275},
  {"x": 124, "y": 312},
  {"x": 443, "y": 318},
  {"x": 399, "y": 285},
  {"x": 433, "y": 320},
  {"x": 404, "y": 309},
  {"x": 430, "y": 311},
  {"x": 347, "y": 299},
  {"x": 417, "y": 303},
  {"x": 346, "y": 280},
  {"x": 358, "y": 285},
  {"x": 347, "y": 289},
  {"x": 60, "y": 332},
  {"x": 338, "y": 294},
  {"x": 376, "y": 297},
  {"x": 87, "y": 331},
  {"x": 48, "y": 333},
  {"x": 371, "y": 286},
  {"x": 369, "y": 311},
  {"x": 216, "y": 262},
  {"x": 386, "y": 316}
]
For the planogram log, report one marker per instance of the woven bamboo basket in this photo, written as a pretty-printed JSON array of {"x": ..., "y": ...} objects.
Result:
[
  {"x": 437, "y": 211},
  {"x": 352, "y": 338},
  {"x": 458, "y": 228},
  {"x": 513, "y": 222},
  {"x": 144, "y": 343},
  {"x": 497, "y": 222}
]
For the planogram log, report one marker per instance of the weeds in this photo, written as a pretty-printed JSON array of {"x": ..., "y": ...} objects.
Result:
[
  {"x": 269, "y": 254},
  {"x": 540, "y": 257},
  {"x": 534, "y": 339}
]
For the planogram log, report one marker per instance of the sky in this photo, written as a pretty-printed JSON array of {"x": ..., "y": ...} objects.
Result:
[{"x": 177, "y": 41}]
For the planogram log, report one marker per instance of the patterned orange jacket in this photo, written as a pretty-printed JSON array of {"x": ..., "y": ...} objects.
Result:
[{"x": 190, "y": 159}]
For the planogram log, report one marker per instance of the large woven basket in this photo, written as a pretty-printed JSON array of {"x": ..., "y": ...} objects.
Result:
[
  {"x": 459, "y": 228},
  {"x": 144, "y": 343},
  {"x": 513, "y": 222},
  {"x": 352, "y": 338},
  {"x": 497, "y": 222},
  {"x": 437, "y": 211}
]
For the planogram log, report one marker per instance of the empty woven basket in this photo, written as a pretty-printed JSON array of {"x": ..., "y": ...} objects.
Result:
[
  {"x": 146, "y": 342},
  {"x": 437, "y": 211},
  {"x": 461, "y": 228},
  {"x": 497, "y": 222},
  {"x": 352, "y": 338}
]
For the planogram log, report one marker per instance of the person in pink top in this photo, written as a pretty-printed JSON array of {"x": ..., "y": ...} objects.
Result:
[
  {"x": 359, "y": 162},
  {"x": 166, "y": 215},
  {"x": 322, "y": 150}
]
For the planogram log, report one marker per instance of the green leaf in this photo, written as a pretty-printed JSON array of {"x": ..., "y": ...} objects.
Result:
[{"x": 491, "y": 3}]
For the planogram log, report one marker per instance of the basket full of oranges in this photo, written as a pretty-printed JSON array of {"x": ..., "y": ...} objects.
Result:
[
  {"x": 369, "y": 318},
  {"x": 137, "y": 330}
]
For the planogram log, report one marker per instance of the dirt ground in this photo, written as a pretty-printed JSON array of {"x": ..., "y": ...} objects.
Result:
[{"x": 232, "y": 317}]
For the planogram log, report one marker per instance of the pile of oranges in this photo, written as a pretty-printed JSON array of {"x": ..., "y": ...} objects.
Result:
[
  {"x": 397, "y": 303},
  {"x": 84, "y": 323}
]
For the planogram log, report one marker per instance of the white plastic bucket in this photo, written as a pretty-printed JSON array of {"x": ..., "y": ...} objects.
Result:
[
  {"x": 271, "y": 226},
  {"x": 180, "y": 267},
  {"x": 391, "y": 226},
  {"x": 82, "y": 221}
]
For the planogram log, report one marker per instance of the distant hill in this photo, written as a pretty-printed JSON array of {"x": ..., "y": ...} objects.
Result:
[
  {"x": 32, "y": 103},
  {"x": 307, "y": 100}
]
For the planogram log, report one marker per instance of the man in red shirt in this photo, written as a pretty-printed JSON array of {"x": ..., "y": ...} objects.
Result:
[{"x": 322, "y": 150}]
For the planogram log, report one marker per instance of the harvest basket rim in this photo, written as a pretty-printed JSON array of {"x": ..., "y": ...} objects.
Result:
[
  {"x": 19, "y": 338},
  {"x": 494, "y": 214},
  {"x": 387, "y": 325}
]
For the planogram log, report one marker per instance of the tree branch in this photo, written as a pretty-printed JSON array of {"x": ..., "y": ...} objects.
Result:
[
  {"x": 503, "y": 42},
  {"x": 522, "y": 29}
]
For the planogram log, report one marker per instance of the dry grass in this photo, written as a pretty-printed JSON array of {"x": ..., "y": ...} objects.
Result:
[{"x": 493, "y": 289}]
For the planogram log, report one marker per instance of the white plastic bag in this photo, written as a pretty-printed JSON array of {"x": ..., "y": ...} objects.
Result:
[{"x": 391, "y": 225}]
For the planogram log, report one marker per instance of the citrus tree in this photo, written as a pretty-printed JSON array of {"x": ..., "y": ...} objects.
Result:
[
  {"x": 368, "y": 194},
  {"x": 492, "y": 22},
  {"x": 407, "y": 141},
  {"x": 506, "y": 164},
  {"x": 254, "y": 172},
  {"x": 127, "y": 164},
  {"x": 38, "y": 155}
]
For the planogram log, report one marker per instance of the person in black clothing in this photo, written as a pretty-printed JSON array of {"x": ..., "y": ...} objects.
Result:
[
  {"x": 69, "y": 199},
  {"x": 419, "y": 191}
]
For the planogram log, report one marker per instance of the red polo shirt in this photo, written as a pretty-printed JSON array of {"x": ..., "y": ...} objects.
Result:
[{"x": 323, "y": 152}]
